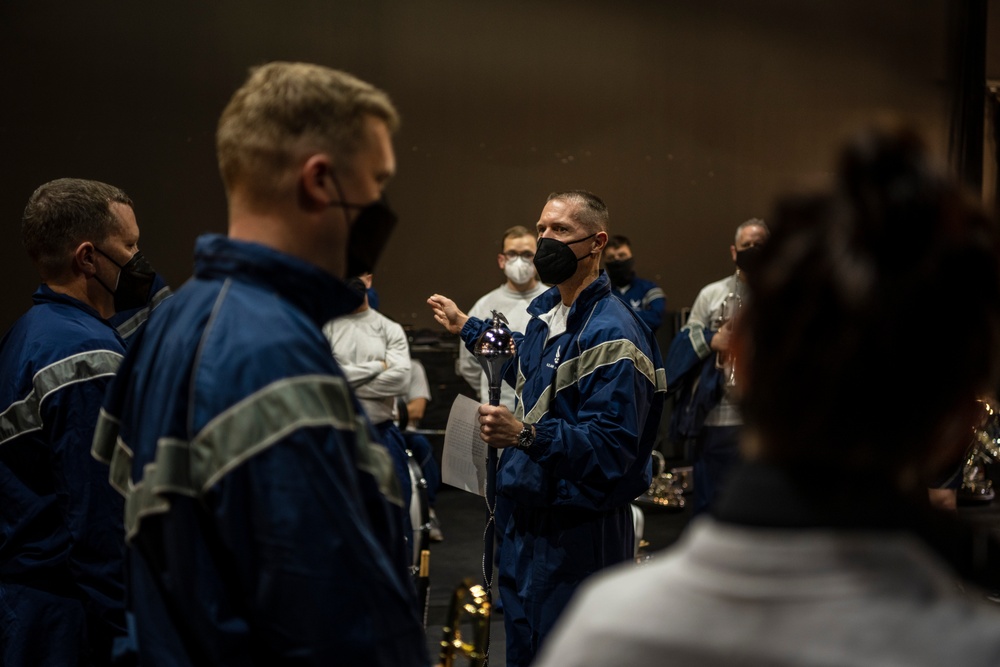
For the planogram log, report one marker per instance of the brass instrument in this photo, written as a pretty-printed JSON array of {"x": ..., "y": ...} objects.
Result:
[
  {"x": 724, "y": 361},
  {"x": 983, "y": 450},
  {"x": 668, "y": 487},
  {"x": 469, "y": 602}
]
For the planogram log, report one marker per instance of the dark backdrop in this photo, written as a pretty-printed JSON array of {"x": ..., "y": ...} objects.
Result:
[{"x": 687, "y": 116}]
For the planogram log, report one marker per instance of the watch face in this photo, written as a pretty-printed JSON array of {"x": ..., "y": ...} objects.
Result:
[{"x": 524, "y": 438}]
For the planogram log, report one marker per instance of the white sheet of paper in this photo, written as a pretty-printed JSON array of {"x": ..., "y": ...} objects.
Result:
[{"x": 463, "y": 460}]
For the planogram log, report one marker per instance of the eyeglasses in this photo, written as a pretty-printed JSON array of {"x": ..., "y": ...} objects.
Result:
[{"x": 527, "y": 254}]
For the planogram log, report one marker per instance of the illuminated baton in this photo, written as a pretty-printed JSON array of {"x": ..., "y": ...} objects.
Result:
[{"x": 494, "y": 349}]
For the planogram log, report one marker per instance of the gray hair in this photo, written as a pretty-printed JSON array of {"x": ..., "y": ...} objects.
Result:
[{"x": 752, "y": 222}]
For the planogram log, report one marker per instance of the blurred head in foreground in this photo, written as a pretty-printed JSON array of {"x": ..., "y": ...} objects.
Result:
[{"x": 875, "y": 322}]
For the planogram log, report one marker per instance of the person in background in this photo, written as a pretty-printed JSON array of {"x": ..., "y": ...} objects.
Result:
[
  {"x": 823, "y": 549},
  {"x": 643, "y": 296},
  {"x": 520, "y": 287},
  {"x": 374, "y": 356},
  {"x": 577, "y": 447},
  {"x": 372, "y": 293},
  {"x": 263, "y": 521},
  {"x": 61, "y": 579},
  {"x": 700, "y": 371},
  {"x": 415, "y": 401}
]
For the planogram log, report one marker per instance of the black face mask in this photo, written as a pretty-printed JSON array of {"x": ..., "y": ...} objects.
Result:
[
  {"x": 620, "y": 271},
  {"x": 357, "y": 286},
  {"x": 555, "y": 262},
  {"x": 748, "y": 259},
  {"x": 368, "y": 237},
  {"x": 369, "y": 233},
  {"x": 135, "y": 282}
]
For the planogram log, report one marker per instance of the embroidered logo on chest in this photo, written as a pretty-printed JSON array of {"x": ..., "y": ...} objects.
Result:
[{"x": 555, "y": 360}]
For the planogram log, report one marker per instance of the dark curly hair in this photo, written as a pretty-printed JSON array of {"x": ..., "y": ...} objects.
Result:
[{"x": 875, "y": 317}]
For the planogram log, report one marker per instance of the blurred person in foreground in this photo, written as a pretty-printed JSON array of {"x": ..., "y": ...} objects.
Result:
[
  {"x": 263, "y": 521},
  {"x": 824, "y": 549}
]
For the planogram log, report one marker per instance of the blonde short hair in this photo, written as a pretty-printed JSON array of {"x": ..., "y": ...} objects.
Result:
[{"x": 284, "y": 108}]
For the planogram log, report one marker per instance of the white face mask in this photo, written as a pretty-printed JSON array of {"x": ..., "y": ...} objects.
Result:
[{"x": 519, "y": 270}]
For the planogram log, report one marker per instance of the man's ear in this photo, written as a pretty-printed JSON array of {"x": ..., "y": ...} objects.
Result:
[
  {"x": 316, "y": 183},
  {"x": 85, "y": 259},
  {"x": 501, "y": 261},
  {"x": 600, "y": 243}
]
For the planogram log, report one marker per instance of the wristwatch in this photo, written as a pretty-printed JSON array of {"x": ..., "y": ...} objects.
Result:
[{"x": 526, "y": 437}]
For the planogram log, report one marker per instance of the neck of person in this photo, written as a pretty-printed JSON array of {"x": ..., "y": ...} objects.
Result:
[
  {"x": 530, "y": 285},
  {"x": 286, "y": 229},
  {"x": 586, "y": 273},
  {"x": 86, "y": 291}
]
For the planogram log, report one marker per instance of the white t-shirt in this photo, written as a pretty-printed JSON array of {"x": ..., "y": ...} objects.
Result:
[
  {"x": 556, "y": 320},
  {"x": 361, "y": 342},
  {"x": 705, "y": 312}
]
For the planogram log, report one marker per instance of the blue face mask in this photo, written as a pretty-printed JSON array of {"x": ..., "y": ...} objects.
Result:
[{"x": 554, "y": 260}]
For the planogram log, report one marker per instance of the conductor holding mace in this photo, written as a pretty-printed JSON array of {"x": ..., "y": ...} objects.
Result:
[{"x": 590, "y": 387}]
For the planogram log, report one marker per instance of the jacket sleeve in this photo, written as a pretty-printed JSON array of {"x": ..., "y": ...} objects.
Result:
[
  {"x": 92, "y": 510},
  {"x": 692, "y": 343},
  {"x": 306, "y": 527},
  {"x": 602, "y": 450},
  {"x": 467, "y": 365},
  {"x": 654, "y": 305}
]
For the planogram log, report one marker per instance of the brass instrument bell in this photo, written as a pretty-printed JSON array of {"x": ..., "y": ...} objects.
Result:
[
  {"x": 468, "y": 603},
  {"x": 983, "y": 450},
  {"x": 724, "y": 361}
]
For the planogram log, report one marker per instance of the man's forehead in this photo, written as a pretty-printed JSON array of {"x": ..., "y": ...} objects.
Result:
[
  {"x": 519, "y": 242},
  {"x": 558, "y": 210},
  {"x": 375, "y": 150},
  {"x": 127, "y": 224},
  {"x": 751, "y": 233}
]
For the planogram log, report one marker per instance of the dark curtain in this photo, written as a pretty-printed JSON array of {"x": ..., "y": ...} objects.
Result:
[{"x": 967, "y": 51}]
